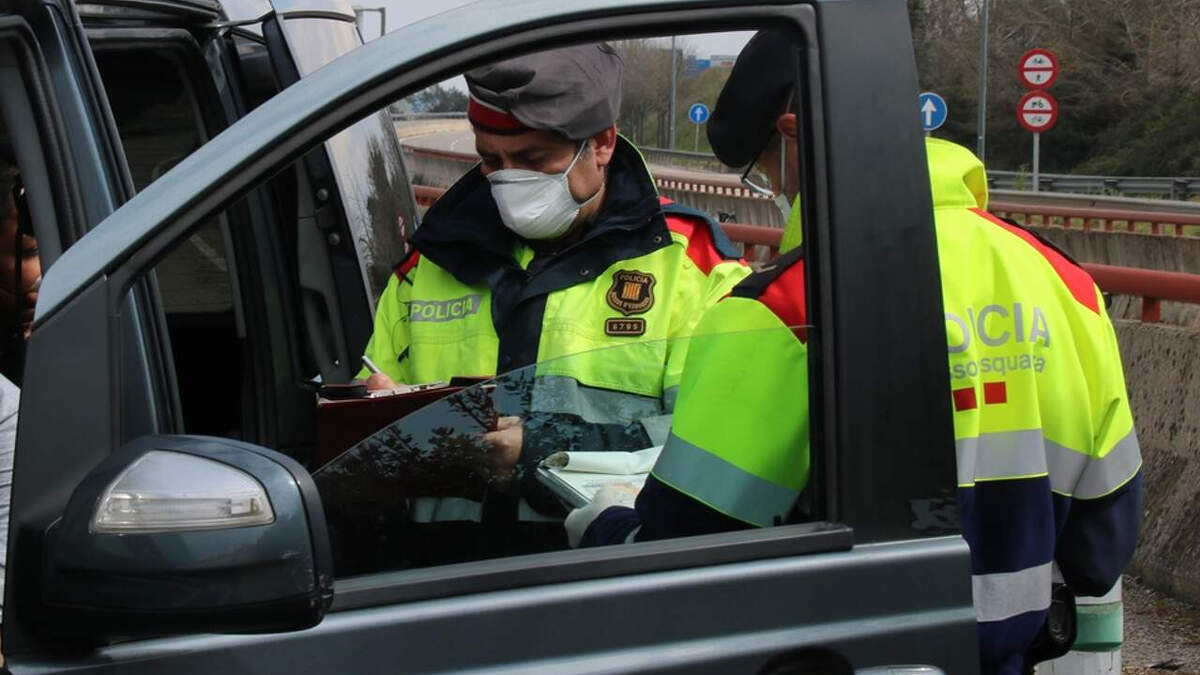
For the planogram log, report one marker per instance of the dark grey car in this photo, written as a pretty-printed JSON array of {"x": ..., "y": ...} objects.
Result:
[{"x": 248, "y": 584}]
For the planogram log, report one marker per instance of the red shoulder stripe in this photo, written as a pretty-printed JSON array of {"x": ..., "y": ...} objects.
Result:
[
  {"x": 405, "y": 267},
  {"x": 1078, "y": 281},
  {"x": 785, "y": 297},
  {"x": 701, "y": 248}
]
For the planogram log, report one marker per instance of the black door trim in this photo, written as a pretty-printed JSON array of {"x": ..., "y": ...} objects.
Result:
[{"x": 597, "y": 563}]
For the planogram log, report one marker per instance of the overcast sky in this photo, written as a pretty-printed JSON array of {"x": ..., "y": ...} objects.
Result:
[{"x": 403, "y": 12}]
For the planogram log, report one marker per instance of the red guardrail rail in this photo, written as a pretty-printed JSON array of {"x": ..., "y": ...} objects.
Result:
[
  {"x": 1098, "y": 219},
  {"x": 1152, "y": 286}
]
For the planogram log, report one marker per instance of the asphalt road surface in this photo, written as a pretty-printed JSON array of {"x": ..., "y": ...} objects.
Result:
[
  {"x": 1162, "y": 635},
  {"x": 451, "y": 141}
]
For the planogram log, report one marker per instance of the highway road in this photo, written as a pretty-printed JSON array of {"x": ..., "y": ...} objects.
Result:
[{"x": 450, "y": 141}]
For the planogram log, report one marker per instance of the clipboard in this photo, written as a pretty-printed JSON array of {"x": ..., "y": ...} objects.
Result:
[{"x": 343, "y": 422}]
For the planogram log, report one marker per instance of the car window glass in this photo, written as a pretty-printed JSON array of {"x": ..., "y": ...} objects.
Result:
[
  {"x": 155, "y": 108},
  {"x": 434, "y": 487},
  {"x": 365, "y": 158},
  {"x": 315, "y": 42},
  {"x": 257, "y": 72},
  {"x": 159, "y": 122},
  {"x": 424, "y": 490}
]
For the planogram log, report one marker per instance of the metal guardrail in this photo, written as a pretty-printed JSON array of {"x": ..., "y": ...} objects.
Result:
[
  {"x": 1176, "y": 188},
  {"x": 1094, "y": 201},
  {"x": 1150, "y": 216},
  {"x": 404, "y": 117},
  {"x": 1182, "y": 188}
]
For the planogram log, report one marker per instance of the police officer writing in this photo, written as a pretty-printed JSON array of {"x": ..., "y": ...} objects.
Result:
[
  {"x": 1049, "y": 469},
  {"x": 555, "y": 244}
]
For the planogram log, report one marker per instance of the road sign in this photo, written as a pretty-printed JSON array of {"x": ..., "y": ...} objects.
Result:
[
  {"x": 1038, "y": 68},
  {"x": 698, "y": 113},
  {"x": 1037, "y": 111},
  {"x": 933, "y": 110}
]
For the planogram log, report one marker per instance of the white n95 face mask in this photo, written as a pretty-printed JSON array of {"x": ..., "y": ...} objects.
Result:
[{"x": 536, "y": 205}]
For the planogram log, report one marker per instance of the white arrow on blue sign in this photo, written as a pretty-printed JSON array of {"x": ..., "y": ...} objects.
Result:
[
  {"x": 933, "y": 110},
  {"x": 698, "y": 113}
]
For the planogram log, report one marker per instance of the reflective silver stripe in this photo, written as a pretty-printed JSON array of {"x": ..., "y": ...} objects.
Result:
[
  {"x": 1009, "y": 454},
  {"x": 1018, "y": 454},
  {"x": 561, "y": 394},
  {"x": 668, "y": 399},
  {"x": 1102, "y": 476},
  {"x": 1066, "y": 466},
  {"x": 658, "y": 428},
  {"x": 442, "y": 509},
  {"x": 721, "y": 485},
  {"x": 1007, "y": 594}
]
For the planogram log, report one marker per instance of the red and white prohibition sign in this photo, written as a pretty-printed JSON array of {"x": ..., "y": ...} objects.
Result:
[
  {"x": 1038, "y": 69},
  {"x": 1037, "y": 111}
]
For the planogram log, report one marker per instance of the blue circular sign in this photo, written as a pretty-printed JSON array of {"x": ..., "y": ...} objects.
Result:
[
  {"x": 698, "y": 113},
  {"x": 933, "y": 110}
]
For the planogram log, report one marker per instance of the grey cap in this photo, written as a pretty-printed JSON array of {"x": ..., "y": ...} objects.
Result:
[{"x": 573, "y": 91}]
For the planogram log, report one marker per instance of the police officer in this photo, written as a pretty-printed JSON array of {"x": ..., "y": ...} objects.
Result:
[
  {"x": 1048, "y": 461},
  {"x": 555, "y": 244}
]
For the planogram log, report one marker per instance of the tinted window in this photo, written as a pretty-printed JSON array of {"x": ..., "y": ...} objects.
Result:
[
  {"x": 366, "y": 159},
  {"x": 160, "y": 123}
]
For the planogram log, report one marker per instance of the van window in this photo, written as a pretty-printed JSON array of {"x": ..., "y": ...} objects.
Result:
[
  {"x": 447, "y": 483},
  {"x": 160, "y": 122}
]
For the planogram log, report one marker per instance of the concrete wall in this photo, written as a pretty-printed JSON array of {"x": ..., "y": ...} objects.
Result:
[
  {"x": 1143, "y": 251},
  {"x": 1162, "y": 369}
]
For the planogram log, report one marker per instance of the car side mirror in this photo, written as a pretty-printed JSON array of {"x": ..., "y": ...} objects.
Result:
[{"x": 181, "y": 534}]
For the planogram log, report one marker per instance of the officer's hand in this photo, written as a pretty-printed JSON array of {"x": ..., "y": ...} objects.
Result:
[
  {"x": 379, "y": 381},
  {"x": 504, "y": 445},
  {"x": 578, "y": 520}
]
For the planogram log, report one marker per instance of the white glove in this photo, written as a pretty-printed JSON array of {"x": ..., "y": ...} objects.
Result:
[{"x": 578, "y": 520}]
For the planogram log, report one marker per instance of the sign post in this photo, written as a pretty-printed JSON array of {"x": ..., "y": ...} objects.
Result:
[
  {"x": 1038, "y": 110},
  {"x": 934, "y": 111},
  {"x": 698, "y": 114}
]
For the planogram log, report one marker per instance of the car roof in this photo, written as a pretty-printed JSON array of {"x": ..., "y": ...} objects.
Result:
[
  {"x": 196, "y": 10},
  {"x": 288, "y": 115},
  {"x": 215, "y": 10}
]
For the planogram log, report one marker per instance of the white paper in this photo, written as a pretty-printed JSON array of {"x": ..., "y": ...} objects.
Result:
[
  {"x": 586, "y": 485},
  {"x": 604, "y": 463}
]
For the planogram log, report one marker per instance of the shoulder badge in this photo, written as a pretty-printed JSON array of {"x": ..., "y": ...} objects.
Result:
[{"x": 631, "y": 292}]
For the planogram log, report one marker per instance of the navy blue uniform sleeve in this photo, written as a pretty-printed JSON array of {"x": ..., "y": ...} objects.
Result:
[
  {"x": 1099, "y": 538},
  {"x": 661, "y": 512}
]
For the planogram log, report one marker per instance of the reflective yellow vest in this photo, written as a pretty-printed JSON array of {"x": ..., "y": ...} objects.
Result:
[
  {"x": 1048, "y": 460},
  {"x": 615, "y": 303}
]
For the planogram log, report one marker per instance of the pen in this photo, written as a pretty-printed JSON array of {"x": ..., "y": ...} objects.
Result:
[{"x": 370, "y": 365}]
